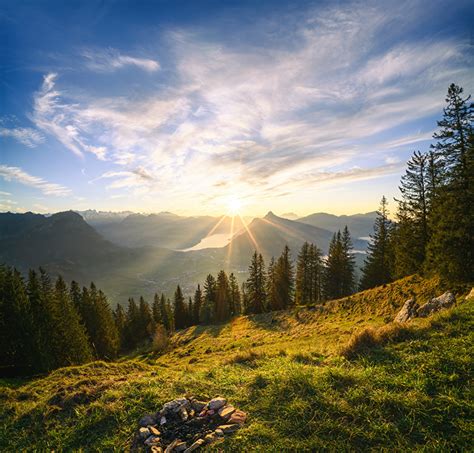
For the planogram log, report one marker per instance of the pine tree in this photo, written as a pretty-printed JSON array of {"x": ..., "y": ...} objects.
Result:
[
  {"x": 235, "y": 299},
  {"x": 146, "y": 321},
  {"x": 334, "y": 269},
  {"x": 271, "y": 286},
  {"x": 179, "y": 309},
  {"x": 197, "y": 305},
  {"x": 190, "y": 312},
  {"x": 348, "y": 264},
  {"x": 303, "y": 276},
  {"x": 450, "y": 251},
  {"x": 411, "y": 235},
  {"x": 132, "y": 324},
  {"x": 379, "y": 262},
  {"x": 222, "y": 308},
  {"x": 284, "y": 280},
  {"x": 156, "y": 310},
  {"x": 121, "y": 323},
  {"x": 71, "y": 343},
  {"x": 207, "y": 314},
  {"x": 256, "y": 285},
  {"x": 316, "y": 273}
]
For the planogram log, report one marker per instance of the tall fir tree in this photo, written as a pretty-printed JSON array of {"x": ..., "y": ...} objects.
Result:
[
  {"x": 303, "y": 276},
  {"x": 179, "y": 309},
  {"x": 411, "y": 234},
  {"x": 271, "y": 286},
  {"x": 284, "y": 280},
  {"x": 256, "y": 285},
  {"x": 378, "y": 265},
  {"x": 207, "y": 314},
  {"x": 222, "y": 308},
  {"x": 235, "y": 299},
  {"x": 450, "y": 250},
  {"x": 120, "y": 322},
  {"x": 197, "y": 305},
  {"x": 348, "y": 264}
]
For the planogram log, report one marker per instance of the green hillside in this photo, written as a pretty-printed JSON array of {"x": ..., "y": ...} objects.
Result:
[{"x": 410, "y": 391}]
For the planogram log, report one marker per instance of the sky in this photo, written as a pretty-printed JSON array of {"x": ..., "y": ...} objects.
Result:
[{"x": 196, "y": 107}]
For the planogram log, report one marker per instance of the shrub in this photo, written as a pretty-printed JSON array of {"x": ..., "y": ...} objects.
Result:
[
  {"x": 246, "y": 358},
  {"x": 365, "y": 340},
  {"x": 160, "y": 339}
]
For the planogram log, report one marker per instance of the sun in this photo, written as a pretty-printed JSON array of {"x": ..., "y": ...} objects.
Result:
[{"x": 234, "y": 205}]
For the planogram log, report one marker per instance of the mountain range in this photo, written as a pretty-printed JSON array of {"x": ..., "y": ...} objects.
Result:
[{"x": 134, "y": 254}]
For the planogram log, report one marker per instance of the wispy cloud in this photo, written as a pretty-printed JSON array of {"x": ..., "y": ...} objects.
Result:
[
  {"x": 16, "y": 174},
  {"x": 286, "y": 113},
  {"x": 108, "y": 60},
  {"x": 25, "y": 135}
]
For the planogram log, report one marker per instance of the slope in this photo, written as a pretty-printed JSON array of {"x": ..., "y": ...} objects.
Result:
[{"x": 409, "y": 394}]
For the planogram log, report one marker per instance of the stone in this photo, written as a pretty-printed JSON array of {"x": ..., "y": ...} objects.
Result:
[
  {"x": 227, "y": 429},
  {"x": 470, "y": 295},
  {"x": 154, "y": 431},
  {"x": 155, "y": 449},
  {"x": 171, "y": 446},
  {"x": 197, "y": 405},
  {"x": 211, "y": 438},
  {"x": 147, "y": 420},
  {"x": 436, "y": 304},
  {"x": 407, "y": 312},
  {"x": 226, "y": 411},
  {"x": 152, "y": 440},
  {"x": 180, "y": 446},
  {"x": 144, "y": 433},
  {"x": 175, "y": 405},
  {"x": 219, "y": 432},
  {"x": 183, "y": 414},
  {"x": 217, "y": 403},
  {"x": 199, "y": 443},
  {"x": 162, "y": 420},
  {"x": 238, "y": 416}
]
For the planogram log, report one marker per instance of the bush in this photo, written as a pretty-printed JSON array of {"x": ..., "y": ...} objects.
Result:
[
  {"x": 246, "y": 358},
  {"x": 160, "y": 339},
  {"x": 365, "y": 340}
]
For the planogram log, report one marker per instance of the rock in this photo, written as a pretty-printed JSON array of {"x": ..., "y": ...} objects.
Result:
[
  {"x": 144, "y": 433},
  {"x": 226, "y": 411},
  {"x": 180, "y": 446},
  {"x": 219, "y": 432},
  {"x": 155, "y": 449},
  {"x": 227, "y": 429},
  {"x": 152, "y": 440},
  {"x": 147, "y": 420},
  {"x": 408, "y": 311},
  {"x": 211, "y": 438},
  {"x": 210, "y": 412},
  {"x": 175, "y": 405},
  {"x": 197, "y": 405},
  {"x": 238, "y": 417},
  {"x": 154, "y": 431},
  {"x": 183, "y": 414},
  {"x": 162, "y": 420},
  {"x": 436, "y": 304},
  {"x": 195, "y": 446},
  {"x": 217, "y": 403},
  {"x": 171, "y": 446},
  {"x": 470, "y": 295}
]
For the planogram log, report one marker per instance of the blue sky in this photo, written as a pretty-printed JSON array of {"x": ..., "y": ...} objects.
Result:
[{"x": 188, "y": 106}]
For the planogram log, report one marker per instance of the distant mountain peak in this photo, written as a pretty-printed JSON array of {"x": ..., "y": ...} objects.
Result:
[{"x": 270, "y": 215}]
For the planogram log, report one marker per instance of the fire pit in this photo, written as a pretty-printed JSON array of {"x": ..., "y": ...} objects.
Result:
[{"x": 186, "y": 424}]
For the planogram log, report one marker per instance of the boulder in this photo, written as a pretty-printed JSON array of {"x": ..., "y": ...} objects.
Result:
[
  {"x": 175, "y": 405},
  {"x": 217, "y": 403},
  {"x": 154, "y": 431},
  {"x": 197, "y": 405},
  {"x": 436, "y": 304},
  {"x": 407, "y": 312},
  {"x": 152, "y": 440},
  {"x": 180, "y": 446},
  {"x": 470, "y": 295},
  {"x": 155, "y": 449}
]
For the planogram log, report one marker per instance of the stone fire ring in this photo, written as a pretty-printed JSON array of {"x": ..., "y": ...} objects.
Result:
[{"x": 186, "y": 424}]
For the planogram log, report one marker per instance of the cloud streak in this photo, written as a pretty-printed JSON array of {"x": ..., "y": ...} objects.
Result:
[
  {"x": 15, "y": 174},
  {"x": 109, "y": 60}
]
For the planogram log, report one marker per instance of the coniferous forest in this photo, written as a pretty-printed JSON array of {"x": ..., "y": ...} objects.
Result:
[{"x": 46, "y": 323}]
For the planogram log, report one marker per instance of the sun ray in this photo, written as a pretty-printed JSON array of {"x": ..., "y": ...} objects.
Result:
[
  {"x": 229, "y": 250},
  {"x": 249, "y": 232}
]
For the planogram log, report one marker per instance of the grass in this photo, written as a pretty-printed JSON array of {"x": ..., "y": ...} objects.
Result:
[{"x": 406, "y": 390}]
